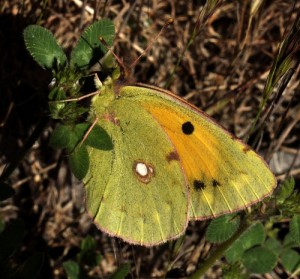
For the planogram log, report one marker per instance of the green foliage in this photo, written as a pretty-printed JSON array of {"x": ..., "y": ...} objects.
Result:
[
  {"x": 254, "y": 235},
  {"x": 89, "y": 49},
  {"x": 72, "y": 269},
  {"x": 222, "y": 228},
  {"x": 68, "y": 77},
  {"x": 88, "y": 258},
  {"x": 290, "y": 259},
  {"x": 234, "y": 271},
  {"x": 259, "y": 259},
  {"x": 67, "y": 84},
  {"x": 79, "y": 161},
  {"x": 285, "y": 190},
  {"x": 44, "y": 48},
  {"x": 274, "y": 245},
  {"x": 259, "y": 254},
  {"x": 121, "y": 272},
  {"x": 11, "y": 237},
  {"x": 295, "y": 228},
  {"x": 74, "y": 139}
]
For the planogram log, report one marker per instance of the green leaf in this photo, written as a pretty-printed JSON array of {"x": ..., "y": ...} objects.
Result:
[
  {"x": 43, "y": 47},
  {"x": 254, "y": 235},
  {"x": 259, "y": 260},
  {"x": 69, "y": 112},
  {"x": 72, "y": 269},
  {"x": 121, "y": 272},
  {"x": 99, "y": 139},
  {"x": 77, "y": 134},
  {"x": 89, "y": 49},
  {"x": 290, "y": 260},
  {"x": 68, "y": 136},
  {"x": 295, "y": 228},
  {"x": 32, "y": 266},
  {"x": 6, "y": 191},
  {"x": 79, "y": 162},
  {"x": 234, "y": 271},
  {"x": 274, "y": 245},
  {"x": 60, "y": 137},
  {"x": 289, "y": 241},
  {"x": 88, "y": 254},
  {"x": 285, "y": 190},
  {"x": 11, "y": 238},
  {"x": 222, "y": 228},
  {"x": 88, "y": 244}
]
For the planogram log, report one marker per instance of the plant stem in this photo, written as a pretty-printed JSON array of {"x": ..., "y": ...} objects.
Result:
[{"x": 218, "y": 253}]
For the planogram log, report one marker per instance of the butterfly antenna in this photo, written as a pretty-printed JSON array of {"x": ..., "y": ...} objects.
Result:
[
  {"x": 127, "y": 69},
  {"x": 124, "y": 67},
  {"x": 89, "y": 131},
  {"x": 169, "y": 21}
]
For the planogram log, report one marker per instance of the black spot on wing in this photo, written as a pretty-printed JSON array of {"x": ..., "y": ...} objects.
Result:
[
  {"x": 198, "y": 185},
  {"x": 187, "y": 128},
  {"x": 216, "y": 183}
]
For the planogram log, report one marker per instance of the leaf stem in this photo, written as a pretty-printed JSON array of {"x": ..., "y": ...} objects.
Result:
[{"x": 219, "y": 252}]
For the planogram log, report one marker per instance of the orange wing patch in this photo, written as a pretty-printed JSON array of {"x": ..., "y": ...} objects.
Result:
[{"x": 224, "y": 175}]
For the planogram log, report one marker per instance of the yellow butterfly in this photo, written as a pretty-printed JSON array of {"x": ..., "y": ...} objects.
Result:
[{"x": 170, "y": 163}]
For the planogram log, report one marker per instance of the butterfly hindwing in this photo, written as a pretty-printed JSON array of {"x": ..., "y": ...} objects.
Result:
[{"x": 137, "y": 190}]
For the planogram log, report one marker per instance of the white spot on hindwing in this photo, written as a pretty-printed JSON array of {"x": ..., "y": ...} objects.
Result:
[{"x": 143, "y": 171}]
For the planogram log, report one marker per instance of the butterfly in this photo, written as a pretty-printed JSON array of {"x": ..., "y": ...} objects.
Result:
[{"x": 169, "y": 163}]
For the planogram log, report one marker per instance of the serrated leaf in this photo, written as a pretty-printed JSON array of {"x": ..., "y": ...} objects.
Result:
[
  {"x": 60, "y": 137},
  {"x": 295, "y": 228},
  {"x": 290, "y": 260},
  {"x": 285, "y": 190},
  {"x": 68, "y": 136},
  {"x": 234, "y": 271},
  {"x": 222, "y": 228},
  {"x": 6, "y": 191},
  {"x": 88, "y": 243},
  {"x": 89, "y": 49},
  {"x": 235, "y": 252},
  {"x": 259, "y": 260},
  {"x": 289, "y": 241},
  {"x": 77, "y": 135},
  {"x": 254, "y": 235},
  {"x": 11, "y": 238},
  {"x": 121, "y": 272},
  {"x": 99, "y": 139},
  {"x": 79, "y": 162},
  {"x": 274, "y": 245},
  {"x": 43, "y": 47},
  {"x": 72, "y": 269},
  {"x": 88, "y": 254}
]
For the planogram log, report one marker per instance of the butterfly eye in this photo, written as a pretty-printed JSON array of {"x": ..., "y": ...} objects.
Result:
[{"x": 187, "y": 128}]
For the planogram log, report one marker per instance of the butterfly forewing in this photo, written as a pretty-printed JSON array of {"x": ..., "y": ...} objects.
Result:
[{"x": 224, "y": 175}]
